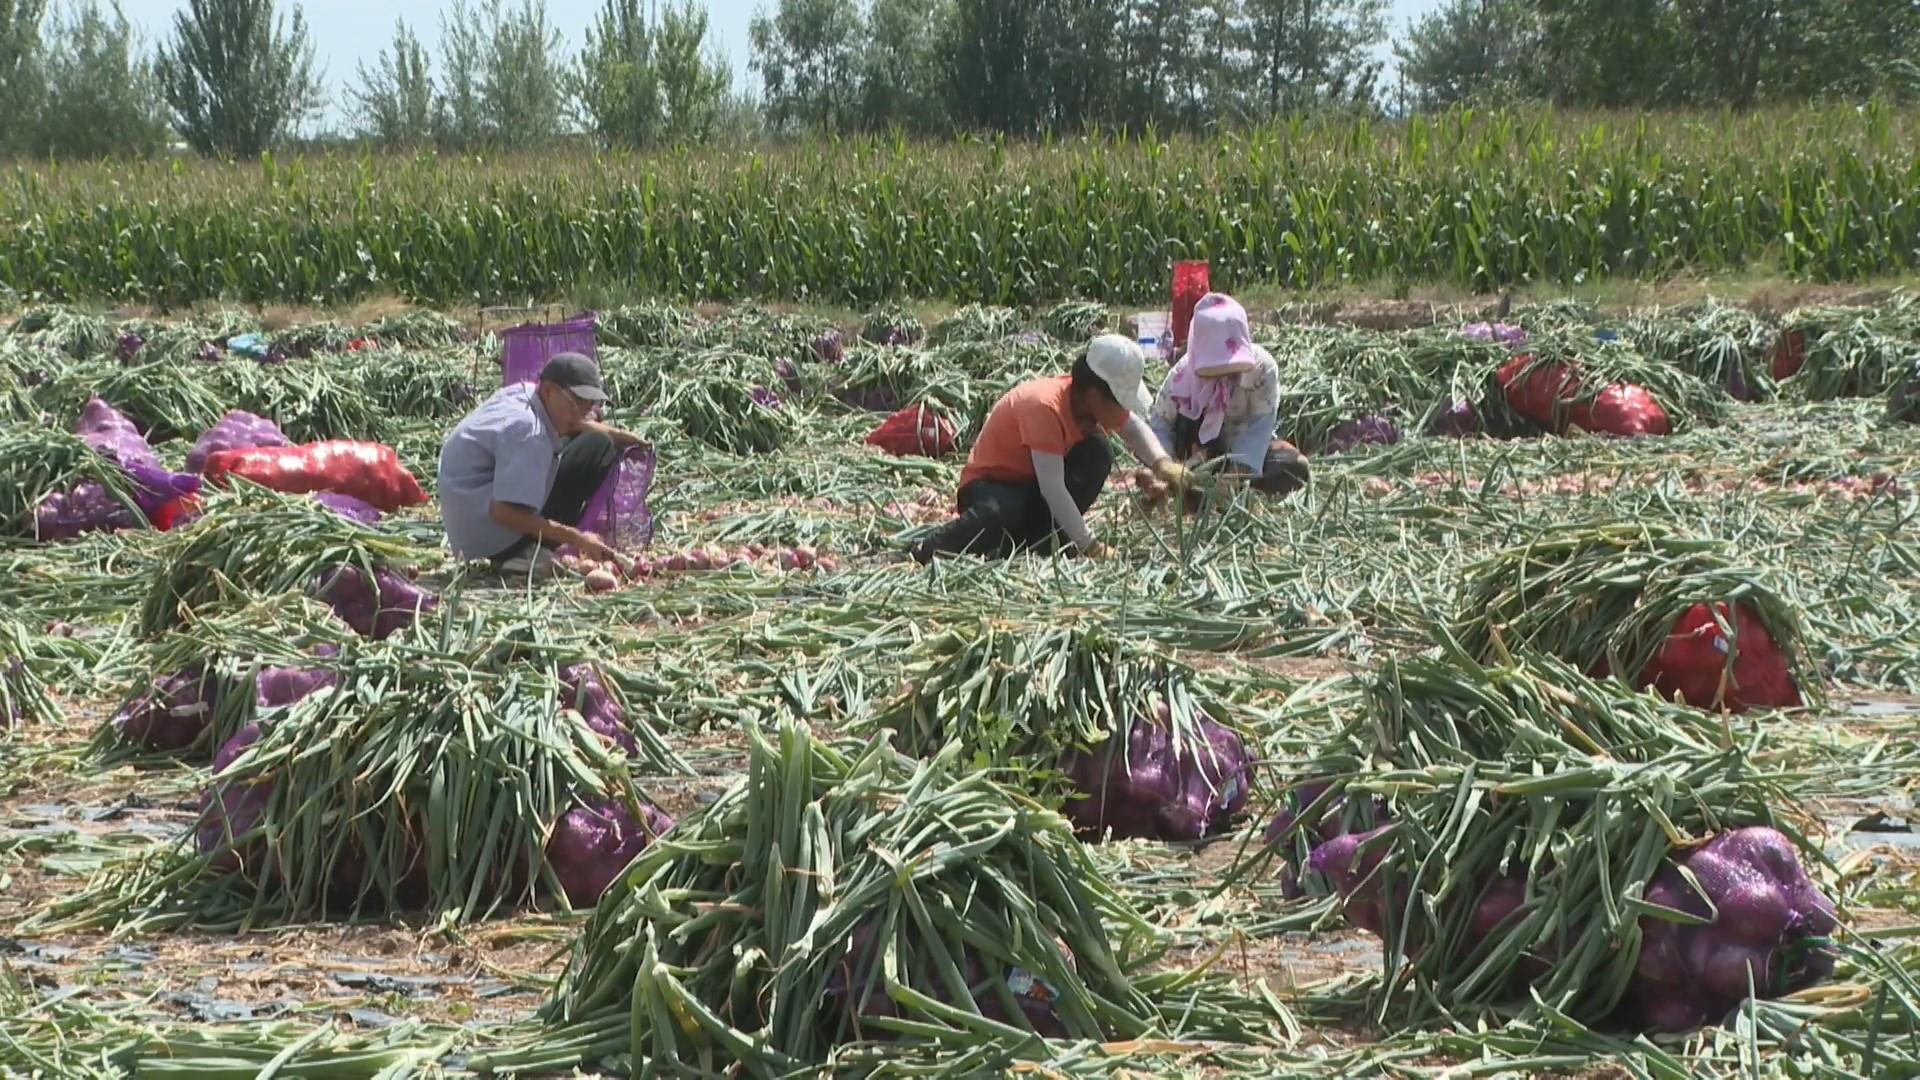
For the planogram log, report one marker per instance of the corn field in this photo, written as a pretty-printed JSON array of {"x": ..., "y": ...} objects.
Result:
[{"x": 1476, "y": 200}]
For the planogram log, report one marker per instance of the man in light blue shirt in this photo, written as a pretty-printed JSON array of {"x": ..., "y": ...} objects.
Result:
[{"x": 517, "y": 474}]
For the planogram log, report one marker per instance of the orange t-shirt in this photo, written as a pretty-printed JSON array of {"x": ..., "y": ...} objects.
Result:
[{"x": 1036, "y": 415}]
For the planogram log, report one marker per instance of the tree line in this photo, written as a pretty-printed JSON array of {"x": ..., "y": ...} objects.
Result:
[{"x": 235, "y": 77}]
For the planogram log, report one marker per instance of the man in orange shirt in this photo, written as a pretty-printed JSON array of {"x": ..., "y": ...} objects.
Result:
[{"x": 1042, "y": 457}]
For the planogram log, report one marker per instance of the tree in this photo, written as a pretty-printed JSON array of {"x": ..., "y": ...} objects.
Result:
[
  {"x": 1851, "y": 48},
  {"x": 1077, "y": 45},
  {"x": 617, "y": 86},
  {"x": 900, "y": 69},
  {"x": 20, "y": 79},
  {"x": 459, "y": 113},
  {"x": 1185, "y": 63},
  {"x": 1472, "y": 50},
  {"x": 394, "y": 103},
  {"x": 645, "y": 77},
  {"x": 1610, "y": 53},
  {"x": 806, "y": 56},
  {"x": 694, "y": 77},
  {"x": 522, "y": 95},
  {"x": 238, "y": 77},
  {"x": 989, "y": 65},
  {"x": 1308, "y": 53},
  {"x": 101, "y": 96}
]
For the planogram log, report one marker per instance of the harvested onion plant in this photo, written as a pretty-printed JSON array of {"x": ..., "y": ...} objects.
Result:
[
  {"x": 838, "y": 896},
  {"x": 1721, "y": 345},
  {"x": 36, "y": 462},
  {"x": 1020, "y": 697},
  {"x": 1520, "y": 816},
  {"x": 25, "y": 697},
  {"x": 253, "y": 542},
  {"x": 722, "y": 403},
  {"x": 1606, "y": 597},
  {"x": 426, "y": 779}
]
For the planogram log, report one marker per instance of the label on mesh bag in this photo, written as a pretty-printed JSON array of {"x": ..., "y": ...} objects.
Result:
[{"x": 1026, "y": 984}]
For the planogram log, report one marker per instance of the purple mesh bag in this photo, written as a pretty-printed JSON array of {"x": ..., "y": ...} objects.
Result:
[
  {"x": 525, "y": 349},
  {"x": 1506, "y": 334},
  {"x": 618, "y": 512},
  {"x": 349, "y": 507},
  {"x": 237, "y": 430},
  {"x": 87, "y": 508},
  {"x": 113, "y": 436}
]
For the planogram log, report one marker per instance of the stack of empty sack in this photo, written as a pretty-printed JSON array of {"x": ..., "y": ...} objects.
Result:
[{"x": 1147, "y": 785}]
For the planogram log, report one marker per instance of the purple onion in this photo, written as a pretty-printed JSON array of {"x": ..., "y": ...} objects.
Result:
[
  {"x": 172, "y": 714},
  {"x": 591, "y": 844},
  {"x": 828, "y": 347},
  {"x": 231, "y": 809},
  {"x": 1770, "y": 922},
  {"x": 1372, "y": 430},
  {"x": 129, "y": 346},
  {"x": 237, "y": 430},
  {"x": 789, "y": 374},
  {"x": 1214, "y": 785},
  {"x": 589, "y": 697},
  {"x": 379, "y": 608},
  {"x": 278, "y": 687},
  {"x": 154, "y": 487},
  {"x": 89, "y": 507},
  {"x": 113, "y": 436},
  {"x": 766, "y": 398},
  {"x": 208, "y": 353},
  {"x": 1153, "y": 791},
  {"x": 1456, "y": 421}
]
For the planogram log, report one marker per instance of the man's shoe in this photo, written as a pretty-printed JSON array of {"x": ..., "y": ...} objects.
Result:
[{"x": 538, "y": 565}]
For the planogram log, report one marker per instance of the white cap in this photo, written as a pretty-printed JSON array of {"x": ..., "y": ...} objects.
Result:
[{"x": 1121, "y": 365}]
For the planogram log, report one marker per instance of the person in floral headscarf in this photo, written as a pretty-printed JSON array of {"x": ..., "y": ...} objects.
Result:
[{"x": 1222, "y": 399}]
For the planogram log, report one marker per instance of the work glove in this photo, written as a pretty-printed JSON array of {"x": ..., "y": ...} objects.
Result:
[{"x": 1174, "y": 475}]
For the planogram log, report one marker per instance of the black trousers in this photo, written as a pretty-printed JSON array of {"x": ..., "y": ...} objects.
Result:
[
  {"x": 998, "y": 520},
  {"x": 585, "y": 462}
]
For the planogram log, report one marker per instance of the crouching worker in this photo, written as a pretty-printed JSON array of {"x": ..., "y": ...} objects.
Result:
[
  {"x": 1042, "y": 458},
  {"x": 516, "y": 475},
  {"x": 1223, "y": 400}
]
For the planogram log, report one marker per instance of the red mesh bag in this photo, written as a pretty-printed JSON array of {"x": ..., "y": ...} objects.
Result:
[
  {"x": 1190, "y": 282},
  {"x": 1622, "y": 409},
  {"x": 916, "y": 430},
  {"x": 1541, "y": 392},
  {"x": 370, "y": 472},
  {"x": 1789, "y": 354},
  {"x": 1693, "y": 663}
]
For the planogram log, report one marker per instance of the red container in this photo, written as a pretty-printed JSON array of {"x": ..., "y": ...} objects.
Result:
[{"x": 1189, "y": 285}]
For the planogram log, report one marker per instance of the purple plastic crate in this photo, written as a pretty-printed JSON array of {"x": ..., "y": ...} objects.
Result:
[
  {"x": 618, "y": 511},
  {"x": 525, "y": 349}
]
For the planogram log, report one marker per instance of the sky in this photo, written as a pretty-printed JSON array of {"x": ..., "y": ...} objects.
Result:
[{"x": 347, "y": 32}]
